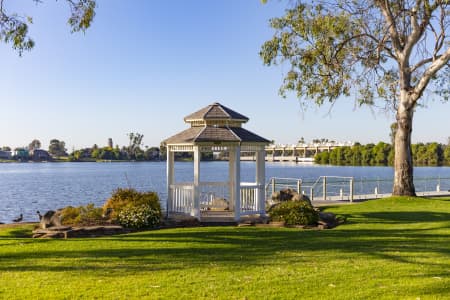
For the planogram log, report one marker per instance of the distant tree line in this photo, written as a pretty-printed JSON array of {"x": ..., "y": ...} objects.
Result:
[
  {"x": 57, "y": 151},
  {"x": 131, "y": 152},
  {"x": 382, "y": 154}
]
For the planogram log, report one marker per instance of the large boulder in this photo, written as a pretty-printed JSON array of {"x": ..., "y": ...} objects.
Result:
[
  {"x": 50, "y": 219},
  {"x": 286, "y": 195}
]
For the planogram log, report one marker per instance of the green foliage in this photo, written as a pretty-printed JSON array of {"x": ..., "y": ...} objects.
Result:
[
  {"x": 294, "y": 213},
  {"x": 310, "y": 39},
  {"x": 382, "y": 154},
  {"x": 446, "y": 155},
  {"x": 57, "y": 148},
  {"x": 35, "y": 144},
  {"x": 135, "y": 141},
  {"x": 82, "y": 215},
  {"x": 14, "y": 28},
  {"x": 83, "y": 13},
  {"x": 124, "y": 198},
  {"x": 138, "y": 217},
  {"x": 431, "y": 154},
  {"x": 379, "y": 52},
  {"x": 341, "y": 48}
]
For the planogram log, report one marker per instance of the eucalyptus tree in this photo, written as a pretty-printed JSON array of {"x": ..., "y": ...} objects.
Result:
[
  {"x": 35, "y": 144},
  {"x": 135, "y": 142},
  {"x": 57, "y": 148},
  {"x": 388, "y": 53},
  {"x": 14, "y": 27}
]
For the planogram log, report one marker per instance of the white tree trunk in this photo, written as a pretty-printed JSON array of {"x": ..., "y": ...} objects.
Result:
[{"x": 403, "y": 163}]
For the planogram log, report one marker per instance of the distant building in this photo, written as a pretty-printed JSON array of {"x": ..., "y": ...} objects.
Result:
[
  {"x": 39, "y": 155},
  {"x": 5, "y": 154},
  {"x": 21, "y": 154}
]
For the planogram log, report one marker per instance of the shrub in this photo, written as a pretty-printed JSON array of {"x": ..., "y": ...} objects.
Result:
[
  {"x": 81, "y": 215},
  {"x": 294, "y": 213},
  {"x": 138, "y": 217},
  {"x": 130, "y": 198}
]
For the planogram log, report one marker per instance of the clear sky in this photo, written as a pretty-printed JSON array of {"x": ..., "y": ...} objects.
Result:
[{"x": 144, "y": 65}]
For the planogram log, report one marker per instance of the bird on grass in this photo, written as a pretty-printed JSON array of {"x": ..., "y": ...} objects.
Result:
[{"x": 19, "y": 219}]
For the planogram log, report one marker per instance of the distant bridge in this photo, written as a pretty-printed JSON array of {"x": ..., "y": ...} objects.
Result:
[{"x": 295, "y": 152}]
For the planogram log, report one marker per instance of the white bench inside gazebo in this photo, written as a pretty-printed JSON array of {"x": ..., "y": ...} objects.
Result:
[{"x": 216, "y": 128}]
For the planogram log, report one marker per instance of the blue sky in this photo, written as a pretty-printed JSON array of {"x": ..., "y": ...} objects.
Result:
[{"x": 144, "y": 65}]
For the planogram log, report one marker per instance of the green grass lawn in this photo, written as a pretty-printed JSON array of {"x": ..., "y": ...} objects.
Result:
[{"x": 395, "y": 248}]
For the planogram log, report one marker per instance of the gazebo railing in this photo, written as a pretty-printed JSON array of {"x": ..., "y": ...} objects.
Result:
[
  {"x": 214, "y": 195},
  {"x": 249, "y": 198},
  {"x": 182, "y": 198}
]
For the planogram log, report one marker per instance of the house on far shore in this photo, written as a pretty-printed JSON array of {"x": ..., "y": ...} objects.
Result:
[
  {"x": 5, "y": 154},
  {"x": 21, "y": 154},
  {"x": 39, "y": 155}
]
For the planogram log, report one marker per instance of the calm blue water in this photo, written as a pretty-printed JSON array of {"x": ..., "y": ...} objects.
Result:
[{"x": 27, "y": 187}]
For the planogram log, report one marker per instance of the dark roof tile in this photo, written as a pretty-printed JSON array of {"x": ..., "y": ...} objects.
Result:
[
  {"x": 215, "y": 111},
  {"x": 215, "y": 134},
  {"x": 186, "y": 136}
]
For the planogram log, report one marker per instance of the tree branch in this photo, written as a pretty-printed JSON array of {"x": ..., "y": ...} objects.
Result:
[
  {"x": 422, "y": 63},
  {"x": 384, "y": 5},
  {"x": 418, "y": 29},
  {"x": 430, "y": 72}
]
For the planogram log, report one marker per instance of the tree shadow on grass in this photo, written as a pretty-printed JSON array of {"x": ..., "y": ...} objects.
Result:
[
  {"x": 239, "y": 247},
  {"x": 393, "y": 239},
  {"x": 398, "y": 217},
  {"x": 19, "y": 232}
]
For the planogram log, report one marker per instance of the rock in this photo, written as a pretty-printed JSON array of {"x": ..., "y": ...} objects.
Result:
[
  {"x": 327, "y": 216},
  {"x": 288, "y": 195},
  {"x": 59, "y": 228},
  {"x": 69, "y": 232},
  {"x": 327, "y": 220},
  {"x": 50, "y": 218}
]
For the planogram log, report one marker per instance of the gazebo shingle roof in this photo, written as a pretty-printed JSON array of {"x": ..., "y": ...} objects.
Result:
[
  {"x": 215, "y": 134},
  {"x": 215, "y": 111},
  {"x": 215, "y": 130}
]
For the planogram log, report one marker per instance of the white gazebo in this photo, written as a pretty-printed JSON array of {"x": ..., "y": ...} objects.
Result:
[{"x": 216, "y": 128}]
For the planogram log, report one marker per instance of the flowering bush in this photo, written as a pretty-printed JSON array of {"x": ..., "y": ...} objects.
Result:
[
  {"x": 139, "y": 217},
  {"x": 128, "y": 198},
  {"x": 294, "y": 213}
]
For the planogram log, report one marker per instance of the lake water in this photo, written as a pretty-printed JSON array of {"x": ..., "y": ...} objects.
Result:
[{"x": 27, "y": 187}]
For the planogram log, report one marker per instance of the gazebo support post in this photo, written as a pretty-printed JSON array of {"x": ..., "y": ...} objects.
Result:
[
  {"x": 231, "y": 171},
  {"x": 196, "y": 205},
  {"x": 170, "y": 178},
  {"x": 235, "y": 181},
  {"x": 260, "y": 181}
]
